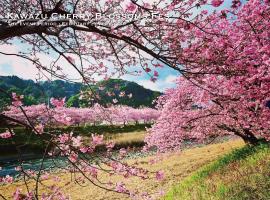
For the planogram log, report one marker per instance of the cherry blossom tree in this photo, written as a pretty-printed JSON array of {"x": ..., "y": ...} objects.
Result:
[
  {"x": 223, "y": 58},
  {"x": 60, "y": 115},
  {"x": 229, "y": 91}
]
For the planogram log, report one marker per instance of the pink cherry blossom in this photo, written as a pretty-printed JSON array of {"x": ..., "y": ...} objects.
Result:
[
  {"x": 17, "y": 194},
  {"x": 17, "y": 100},
  {"x": 110, "y": 145},
  {"x": 6, "y": 135},
  {"x": 230, "y": 95},
  {"x": 120, "y": 187},
  {"x": 147, "y": 69},
  {"x": 73, "y": 157},
  {"x": 63, "y": 138},
  {"x": 160, "y": 175},
  {"x": 217, "y": 3},
  {"x": 122, "y": 152},
  {"x": 131, "y": 7},
  {"x": 84, "y": 149},
  {"x": 39, "y": 128},
  {"x": 58, "y": 102},
  {"x": 45, "y": 176},
  {"x": 77, "y": 141},
  {"x": 97, "y": 139},
  {"x": 7, "y": 179},
  {"x": 93, "y": 172}
]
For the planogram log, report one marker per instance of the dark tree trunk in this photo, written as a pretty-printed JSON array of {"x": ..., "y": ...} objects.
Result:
[
  {"x": 249, "y": 137},
  {"x": 246, "y": 134}
]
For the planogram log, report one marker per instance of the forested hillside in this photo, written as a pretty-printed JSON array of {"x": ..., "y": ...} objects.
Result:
[{"x": 108, "y": 90}]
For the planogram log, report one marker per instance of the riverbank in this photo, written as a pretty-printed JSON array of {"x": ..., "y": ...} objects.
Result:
[
  {"x": 175, "y": 165},
  {"x": 31, "y": 143},
  {"x": 32, "y": 161}
]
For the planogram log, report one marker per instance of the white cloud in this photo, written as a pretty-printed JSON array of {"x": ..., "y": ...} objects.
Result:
[
  {"x": 160, "y": 85},
  {"x": 149, "y": 85},
  {"x": 170, "y": 79},
  {"x": 14, "y": 65}
]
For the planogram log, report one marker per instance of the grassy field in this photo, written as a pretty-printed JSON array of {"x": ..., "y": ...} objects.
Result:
[
  {"x": 137, "y": 136},
  {"x": 131, "y": 135},
  {"x": 177, "y": 166},
  {"x": 242, "y": 174}
]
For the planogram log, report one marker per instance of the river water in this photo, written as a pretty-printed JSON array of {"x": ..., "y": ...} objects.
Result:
[{"x": 49, "y": 164}]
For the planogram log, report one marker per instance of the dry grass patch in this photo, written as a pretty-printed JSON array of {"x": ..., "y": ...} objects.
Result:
[
  {"x": 241, "y": 174},
  {"x": 175, "y": 165},
  {"x": 137, "y": 136}
]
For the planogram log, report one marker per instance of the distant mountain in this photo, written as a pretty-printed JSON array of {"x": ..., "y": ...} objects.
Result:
[
  {"x": 107, "y": 91},
  {"x": 124, "y": 92}
]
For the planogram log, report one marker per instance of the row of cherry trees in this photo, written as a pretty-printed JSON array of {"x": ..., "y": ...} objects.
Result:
[
  {"x": 74, "y": 148},
  {"x": 60, "y": 115}
]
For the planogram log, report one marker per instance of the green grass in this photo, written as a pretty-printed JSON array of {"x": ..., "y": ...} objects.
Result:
[{"x": 242, "y": 174}]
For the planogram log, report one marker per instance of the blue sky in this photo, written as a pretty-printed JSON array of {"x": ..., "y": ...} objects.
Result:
[{"x": 165, "y": 80}]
